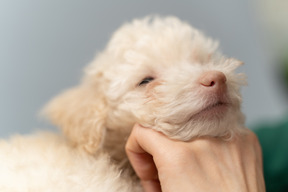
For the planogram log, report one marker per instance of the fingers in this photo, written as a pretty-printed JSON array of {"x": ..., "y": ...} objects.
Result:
[
  {"x": 142, "y": 161},
  {"x": 151, "y": 186},
  {"x": 144, "y": 139},
  {"x": 143, "y": 165}
]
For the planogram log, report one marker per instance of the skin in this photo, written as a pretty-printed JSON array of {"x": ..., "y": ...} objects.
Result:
[{"x": 203, "y": 164}]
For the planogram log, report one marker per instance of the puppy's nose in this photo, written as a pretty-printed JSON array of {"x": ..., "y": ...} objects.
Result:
[{"x": 212, "y": 79}]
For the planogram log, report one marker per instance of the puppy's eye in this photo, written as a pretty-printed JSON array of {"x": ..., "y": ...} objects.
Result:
[{"x": 146, "y": 81}]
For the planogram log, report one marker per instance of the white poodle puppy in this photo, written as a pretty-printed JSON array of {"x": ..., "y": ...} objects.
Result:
[{"x": 159, "y": 72}]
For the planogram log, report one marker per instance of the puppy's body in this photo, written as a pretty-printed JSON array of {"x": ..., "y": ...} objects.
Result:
[
  {"x": 161, "y": 73},
  {"x": 46, "y": 162}
]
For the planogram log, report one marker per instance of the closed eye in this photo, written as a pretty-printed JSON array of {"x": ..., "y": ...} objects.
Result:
[{"x": 145, "y": 81}]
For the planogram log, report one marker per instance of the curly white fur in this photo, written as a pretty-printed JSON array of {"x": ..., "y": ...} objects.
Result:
[
  {"x": 98, "y": 115},
  {"x": 46, "y": 162}
]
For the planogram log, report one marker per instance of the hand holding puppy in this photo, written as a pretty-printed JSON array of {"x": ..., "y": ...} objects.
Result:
[{"x": 204, "y": 164}]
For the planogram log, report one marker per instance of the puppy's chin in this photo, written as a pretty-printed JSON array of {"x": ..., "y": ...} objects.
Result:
[
  {"x": 217, "y": 120},
  {"x": 211, "y": 112}
]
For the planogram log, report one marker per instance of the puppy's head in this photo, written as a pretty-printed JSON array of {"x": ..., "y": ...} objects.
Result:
[{"x": 159, "y": 72}]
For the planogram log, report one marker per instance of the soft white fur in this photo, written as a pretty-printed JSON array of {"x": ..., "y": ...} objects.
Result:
[
  {"x": 45, "y": 162},
  {"x": 97, "y": 116}
]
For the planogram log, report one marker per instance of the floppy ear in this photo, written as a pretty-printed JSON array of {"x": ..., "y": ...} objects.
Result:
[{"x": 80, "y": 113}]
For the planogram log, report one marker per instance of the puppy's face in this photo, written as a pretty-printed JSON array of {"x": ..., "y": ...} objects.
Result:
[
  {"x": 161, "y": 73},
  {"x": 171, "y": 78},
  {"x": 180, "y": 99}
]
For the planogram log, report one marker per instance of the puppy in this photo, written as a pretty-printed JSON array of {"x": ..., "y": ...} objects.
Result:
[{"x": 159, "y": 72}]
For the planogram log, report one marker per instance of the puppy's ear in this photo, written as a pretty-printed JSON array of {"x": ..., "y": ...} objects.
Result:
[{"x": 81, "y": 114}]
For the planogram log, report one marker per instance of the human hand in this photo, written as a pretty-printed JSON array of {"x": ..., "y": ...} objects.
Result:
[{"x": 203, "y": 164}]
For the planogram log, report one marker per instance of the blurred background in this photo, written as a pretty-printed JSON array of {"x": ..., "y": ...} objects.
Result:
[{"x": 44, "y": 46}]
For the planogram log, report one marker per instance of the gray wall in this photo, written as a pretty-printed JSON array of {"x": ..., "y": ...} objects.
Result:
[{"x": 45, "y": 44}]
